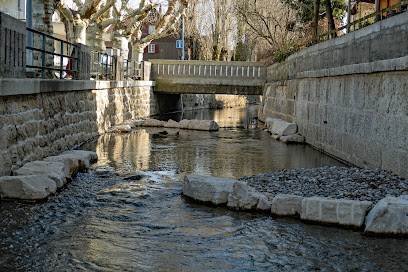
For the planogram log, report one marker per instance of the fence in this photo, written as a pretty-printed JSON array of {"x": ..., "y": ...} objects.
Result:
[
  {"x": 366, "y": 20},
  {"x": 51, "y": 56},
  {"x": 219, "y": 69}
]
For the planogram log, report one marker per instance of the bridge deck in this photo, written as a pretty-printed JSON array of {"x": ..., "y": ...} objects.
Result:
[{"x": 208, "y": 77}]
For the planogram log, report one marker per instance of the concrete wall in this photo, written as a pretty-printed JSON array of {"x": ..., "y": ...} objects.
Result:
[
  {"x": 39, "y": 118},
  {"x": 208, "y": 77},
  {"x": 349, "y": 95}
]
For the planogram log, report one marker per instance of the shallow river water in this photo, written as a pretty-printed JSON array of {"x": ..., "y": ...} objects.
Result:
[{"x": 127, "y": 213}]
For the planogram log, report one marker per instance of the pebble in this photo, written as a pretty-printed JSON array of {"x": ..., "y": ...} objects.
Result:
[{"x": 335, "y": 182}]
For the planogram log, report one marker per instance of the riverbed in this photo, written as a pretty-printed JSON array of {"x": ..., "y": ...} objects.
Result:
[{"x": 127, "y": 213}]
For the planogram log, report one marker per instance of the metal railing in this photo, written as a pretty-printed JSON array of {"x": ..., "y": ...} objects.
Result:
[
  {"x": 133, "y": 69},
  {"x": 230, "y": 70},
  {"x": 42, "y": 55},
  {"x": 102, "y": 66},
  {"x": 362, "y": 22}
]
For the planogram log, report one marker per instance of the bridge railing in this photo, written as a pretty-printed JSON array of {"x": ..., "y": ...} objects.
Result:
[{"x": 212, "y": 69}]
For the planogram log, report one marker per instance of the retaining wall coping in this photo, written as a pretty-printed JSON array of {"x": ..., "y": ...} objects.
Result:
[
  {"x": 11, "y": 86},
  {"x": 207, "y": 62}
]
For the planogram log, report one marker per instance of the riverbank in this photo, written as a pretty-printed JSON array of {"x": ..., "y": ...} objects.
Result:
[{"x": 335, "y": 182}]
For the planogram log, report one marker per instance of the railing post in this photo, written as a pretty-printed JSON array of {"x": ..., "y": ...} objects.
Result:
[
  {"x": 118, "y": 66},
  {"x": 146, "y": 66},
  {"x": 12, "y": 47},
  {"x": 83, "y": 62}
]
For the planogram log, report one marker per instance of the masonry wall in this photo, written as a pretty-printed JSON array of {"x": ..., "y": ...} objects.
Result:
[
  {"x": 43, "y": 118},
  {"x": 354, "y": 110}
]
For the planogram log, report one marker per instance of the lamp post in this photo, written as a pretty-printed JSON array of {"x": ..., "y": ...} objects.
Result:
[{"x": 182, "y": 38}]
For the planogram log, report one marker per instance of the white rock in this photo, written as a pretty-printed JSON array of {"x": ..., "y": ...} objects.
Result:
[
  {"x": 185, "y": 124},
  {"x": 389, "y": 216},
  {"x": 171, "y": 124},
  {"x": 33, "y": 187},
  {"x": 264, "y": 204},
  {"x": 294, "y": 138},
  {"x": 153, "y": 123},
  {"x": 75, "y": 159},
  {"x": 208, "y": 125},
  {"x": 208, "y": 189},
  {"x": 122, "y": 128},
  {"x": 136, "y": 122},
  {"x": 246, "y": 198},
  {"x": 128, "y": 123},
  {"x": 283, "y": 128},
  {"x": 284, "y": 204},
  {"x": 337, "y": 211},
  {"x": 57, "y": 171},
  {"x": 82, "y": 157}
]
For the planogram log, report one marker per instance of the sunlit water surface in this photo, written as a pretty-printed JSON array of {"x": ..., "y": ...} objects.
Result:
[{"x": 128, "y": 214}]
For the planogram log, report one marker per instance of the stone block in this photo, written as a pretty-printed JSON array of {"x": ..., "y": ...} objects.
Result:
[
  {"x": 75, "y": 159},
  {"x": 245, "y": 197},
  {"x": 283, "y": 204},
  {"x": 57, "y": 171},
  {"x": 32, "y": 187},
  {"x": 208, "y": 189},
  {"x": 335, "y": 211},
  {"x": 153, "y": 123},
  {"x": 389, "y": 216},
  {"x": 283, "y": 128}
]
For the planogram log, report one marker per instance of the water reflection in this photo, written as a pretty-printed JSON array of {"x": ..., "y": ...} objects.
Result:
[{"x": 241, "y": 150}]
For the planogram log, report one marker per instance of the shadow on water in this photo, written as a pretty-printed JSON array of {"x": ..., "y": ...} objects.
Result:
[{"x": 128, "y": 214}]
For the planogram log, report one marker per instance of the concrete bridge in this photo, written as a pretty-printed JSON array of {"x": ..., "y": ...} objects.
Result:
[{"x": 208, "y": 77}]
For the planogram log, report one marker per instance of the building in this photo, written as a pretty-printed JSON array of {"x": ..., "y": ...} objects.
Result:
[{"x": 163, "y": 48}]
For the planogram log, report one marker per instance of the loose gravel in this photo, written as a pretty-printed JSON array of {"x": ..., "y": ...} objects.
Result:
[{"x": 334, "y": 182}]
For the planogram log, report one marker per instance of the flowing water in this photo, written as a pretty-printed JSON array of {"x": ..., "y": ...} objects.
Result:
[{"x": 127, "y": 213}]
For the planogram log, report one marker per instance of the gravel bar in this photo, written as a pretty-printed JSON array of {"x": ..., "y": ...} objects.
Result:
[{"x": 334, "y": 182}]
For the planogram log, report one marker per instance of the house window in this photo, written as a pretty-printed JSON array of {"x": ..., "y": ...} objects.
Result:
[
  {"x": 152, "y": 48},
  {"x": 151, "y": 29}
]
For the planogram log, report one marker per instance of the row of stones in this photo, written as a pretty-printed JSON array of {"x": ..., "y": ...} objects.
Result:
[
  {"x": 206, "y": 125},
  {"x": 284, "y": 131},
  {"x": 37, "y": 180},
  {"x": 387, "y": 217}
]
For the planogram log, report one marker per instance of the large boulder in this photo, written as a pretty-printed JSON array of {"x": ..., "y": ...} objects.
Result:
[
  {"x": 184, "y": 124},
  {"x": 284, "y": 204},
  {"x": 121, "y": 128},
  {"x": 282, "y": 128},
  {"x": 153, "y": 123},
  {"x": 336, "y": 211},
  {"x": 33, "y": 187},
  {"x": 208, "y": 125},
  {"x": 208, "y": 189},
  {"x": 244, "y": 197},
  {"x": 76, "y": 159},
  {"x": 55, "y": 170},
  {"x": 171, "y": 124},
  {"x": 389, "y": 216}
]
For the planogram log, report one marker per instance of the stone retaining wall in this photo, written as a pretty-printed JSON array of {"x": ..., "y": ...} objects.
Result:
[
  {"x": 217, "y": 101},
  {"x": 355, "y": 111},
  {"x": 40, "y": 118}
]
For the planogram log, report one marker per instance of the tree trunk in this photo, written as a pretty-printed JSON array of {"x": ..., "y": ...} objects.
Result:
[
  {"x": 80, "y": 30},
  {"x": 330, "y": 18},
  {"x": 94, "y": 38},
  {"x": 316, "y": 20}
]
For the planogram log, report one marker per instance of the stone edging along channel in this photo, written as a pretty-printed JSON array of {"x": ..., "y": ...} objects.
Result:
[{"x": 389, "y": 216}]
